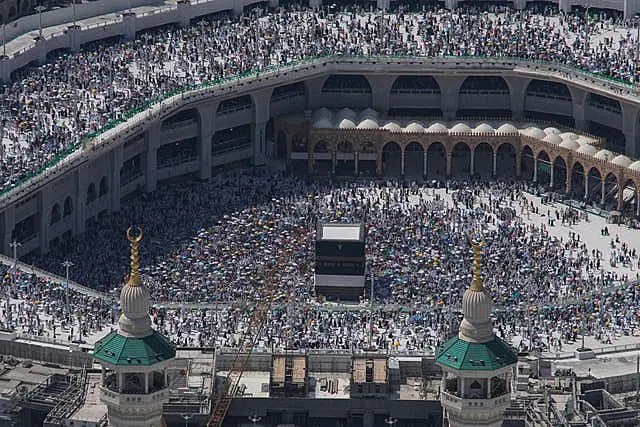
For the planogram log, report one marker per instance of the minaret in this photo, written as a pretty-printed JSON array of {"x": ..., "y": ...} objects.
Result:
[
  {"x": 134, "y": 358},
  {"x": 477, "y": 366}
]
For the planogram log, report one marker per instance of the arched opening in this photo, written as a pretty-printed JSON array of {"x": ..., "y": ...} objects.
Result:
[
  {"x": 611, "y": 190},
  {"x": 367, "y": 159},
  {"x": 182, "y": 118},
  {"x": 559, "y": 175},
  {"x": 506, "y": 160},
  {"x": 460, "y": 160},
  {"x": 55, "y": 214},
  {"x": 346, "y": 83},
  {"x": 288, "y": 92},
  {"x": 68, "y": 207},
  {"x": 414, "y": 161},
  {"x": 235, "y": 105},
  {"x": 392, "y": 159},
  {"x": 415, "y": 96},
  {"x": 345, "y": 159},
  {"x": 104, "y": 186},
  {"x": 577, "y": 181},
  {"x": 91, "y": 193},
  {"x": 281, "y": 145},
  {"x": 544, "y": 168},
  {"x": 299, "y": 154},
  {"x": 484, "y": 97},
  {"x": 321, "y": 158},
  {"x": 595, "y": 186},
  {"x": 526, "y": 163},
  {"x": 436, "y": 161},
  {"x": 483, "y": 160},
  {"x": 629, "y": 205}
]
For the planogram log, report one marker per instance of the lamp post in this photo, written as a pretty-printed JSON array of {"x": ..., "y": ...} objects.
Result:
[
  {"x": 40, "y": 9},
  {"x": 254, "y": 419},
  {"x": 15, "y": 245},
  {"x": 390, "y": 421},
  {"x": 67, "y": 264},
  {"x": 4, "y": 39},
  {"x": 186, "y": 417}
]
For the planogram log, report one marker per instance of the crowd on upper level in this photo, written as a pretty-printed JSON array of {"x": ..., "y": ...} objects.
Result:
[{"x": 47, "y": 109}]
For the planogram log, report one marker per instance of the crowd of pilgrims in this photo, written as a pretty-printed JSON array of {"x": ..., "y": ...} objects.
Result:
[
  {"x": 49, "y": 108},
  {"x": 246, "y": 234}
]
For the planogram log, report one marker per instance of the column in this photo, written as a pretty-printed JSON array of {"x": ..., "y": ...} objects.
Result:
[
  {"x": 449, "y": 89},
  {"x": 380, "y": 90},
  {"x": 115, "y": 178},
  {"x": 488, "y": 388},
  {"x": 461, "y": 387},
  {"x": 517, "y": 89},
  {"x": 424, "y": 164},
  {"x": 495, "y": 163},
  {"x": 166, "y": 378},
  {"x": 120, "y": 381},
  {"x": 152, "y": 141},
  {"x": 146, "y": 383},
  {"x": 74, "y": 38},
  {"x": 379, "y": 162},
  {"x": 129, "y": 22},
  {"x": 334, "y": 160},
  {"x": 41, "y": 51},
  {"x": 368, "y": 419},
  {"x": 535, "y": 168},
  {"x": 9, "y": 221},
  {"x": 310, "y": 162},
  {"x": 258, "y": 135},
  {"x": 402, "y": 153},
  {"x": 448, "y": 169},
  {"x": 569, "y": 182},
  {"x": 579, "y": 98},
  {"x": 82, "y": 179},
  {"x": 637, "y": 202},
  {"x": 630, "y": 127},
  {"x": 602, "y": 189},
  {"x": 44, "y": 208},
  {"x": 183, "y": 13},
  {"x": 356, "y": 155},
  {"x": 472, "y": 154},
  {"x": 586, "y": 186},
  {"x": 518, "y": 163},
  {"x": 620, "y": 196},
  {"x": 207, "y": 130},
  {"x": 551, "y": 175}
]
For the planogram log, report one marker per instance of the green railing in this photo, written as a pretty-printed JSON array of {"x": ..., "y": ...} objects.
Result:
[{"x": 87, "y": 139}]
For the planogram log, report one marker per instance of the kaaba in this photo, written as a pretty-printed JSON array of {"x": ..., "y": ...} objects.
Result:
[{"x": 340, "y": 261}]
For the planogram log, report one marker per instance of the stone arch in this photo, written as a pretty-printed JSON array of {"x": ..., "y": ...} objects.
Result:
[
  {"x": 91, "y": 193},
  {"x": 481, "y": 97},
  {"x": 67, "y": 207},
  {"x": 611, "y": 190},
  {"x": 367, "y": 158},
  {"x": 414, "y": 160},
  {"x": 322, "y": 162},
  {"x": 345, "y": 158},
  {"x": 392, "y": 159},
  {"x": 506, "y": 160},
  {"x": 629, "y": 198},
  {"x": 577, "y": 179},
  {"x": 559, "y": 174},
  {"x": 436, "y": 160},
  {"x": 290, "y": 91},
  {"x": 594, "y": 177},
  {"x": 483, "y": 159},
  {"x": 346, "y": 83},
  {"x": 543, "y": 165},
  {"x": 549, "y": 90},
  {"x": 321, "y": 146},
  {"x": 526, "y": 163},
  {"x": 460, "y": 159},
  {"x": 299, "y": 144},
  {"x": 235, "y": 105},
  {"x": 104, "y": 186},
  {"x": 413, "y": 85},
  {"x": 55, "y": 214},
  {"x": 180, "y": 117}
]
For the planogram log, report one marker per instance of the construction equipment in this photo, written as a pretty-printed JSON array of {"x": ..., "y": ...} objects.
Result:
[{"x": 249, "y": 338}]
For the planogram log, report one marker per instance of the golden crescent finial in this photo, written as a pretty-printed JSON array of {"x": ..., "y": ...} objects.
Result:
[
  {"x": 134, "y": 277},
  {"x": 476, "y": 243}
]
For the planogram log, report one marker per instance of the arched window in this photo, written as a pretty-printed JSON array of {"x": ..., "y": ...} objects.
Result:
[
  {"x": 91, "y": 193},
  {"x": 55, "y": 214},
  {"x": 104, "y": 187},
  {"x": 68, "y": 207}
]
